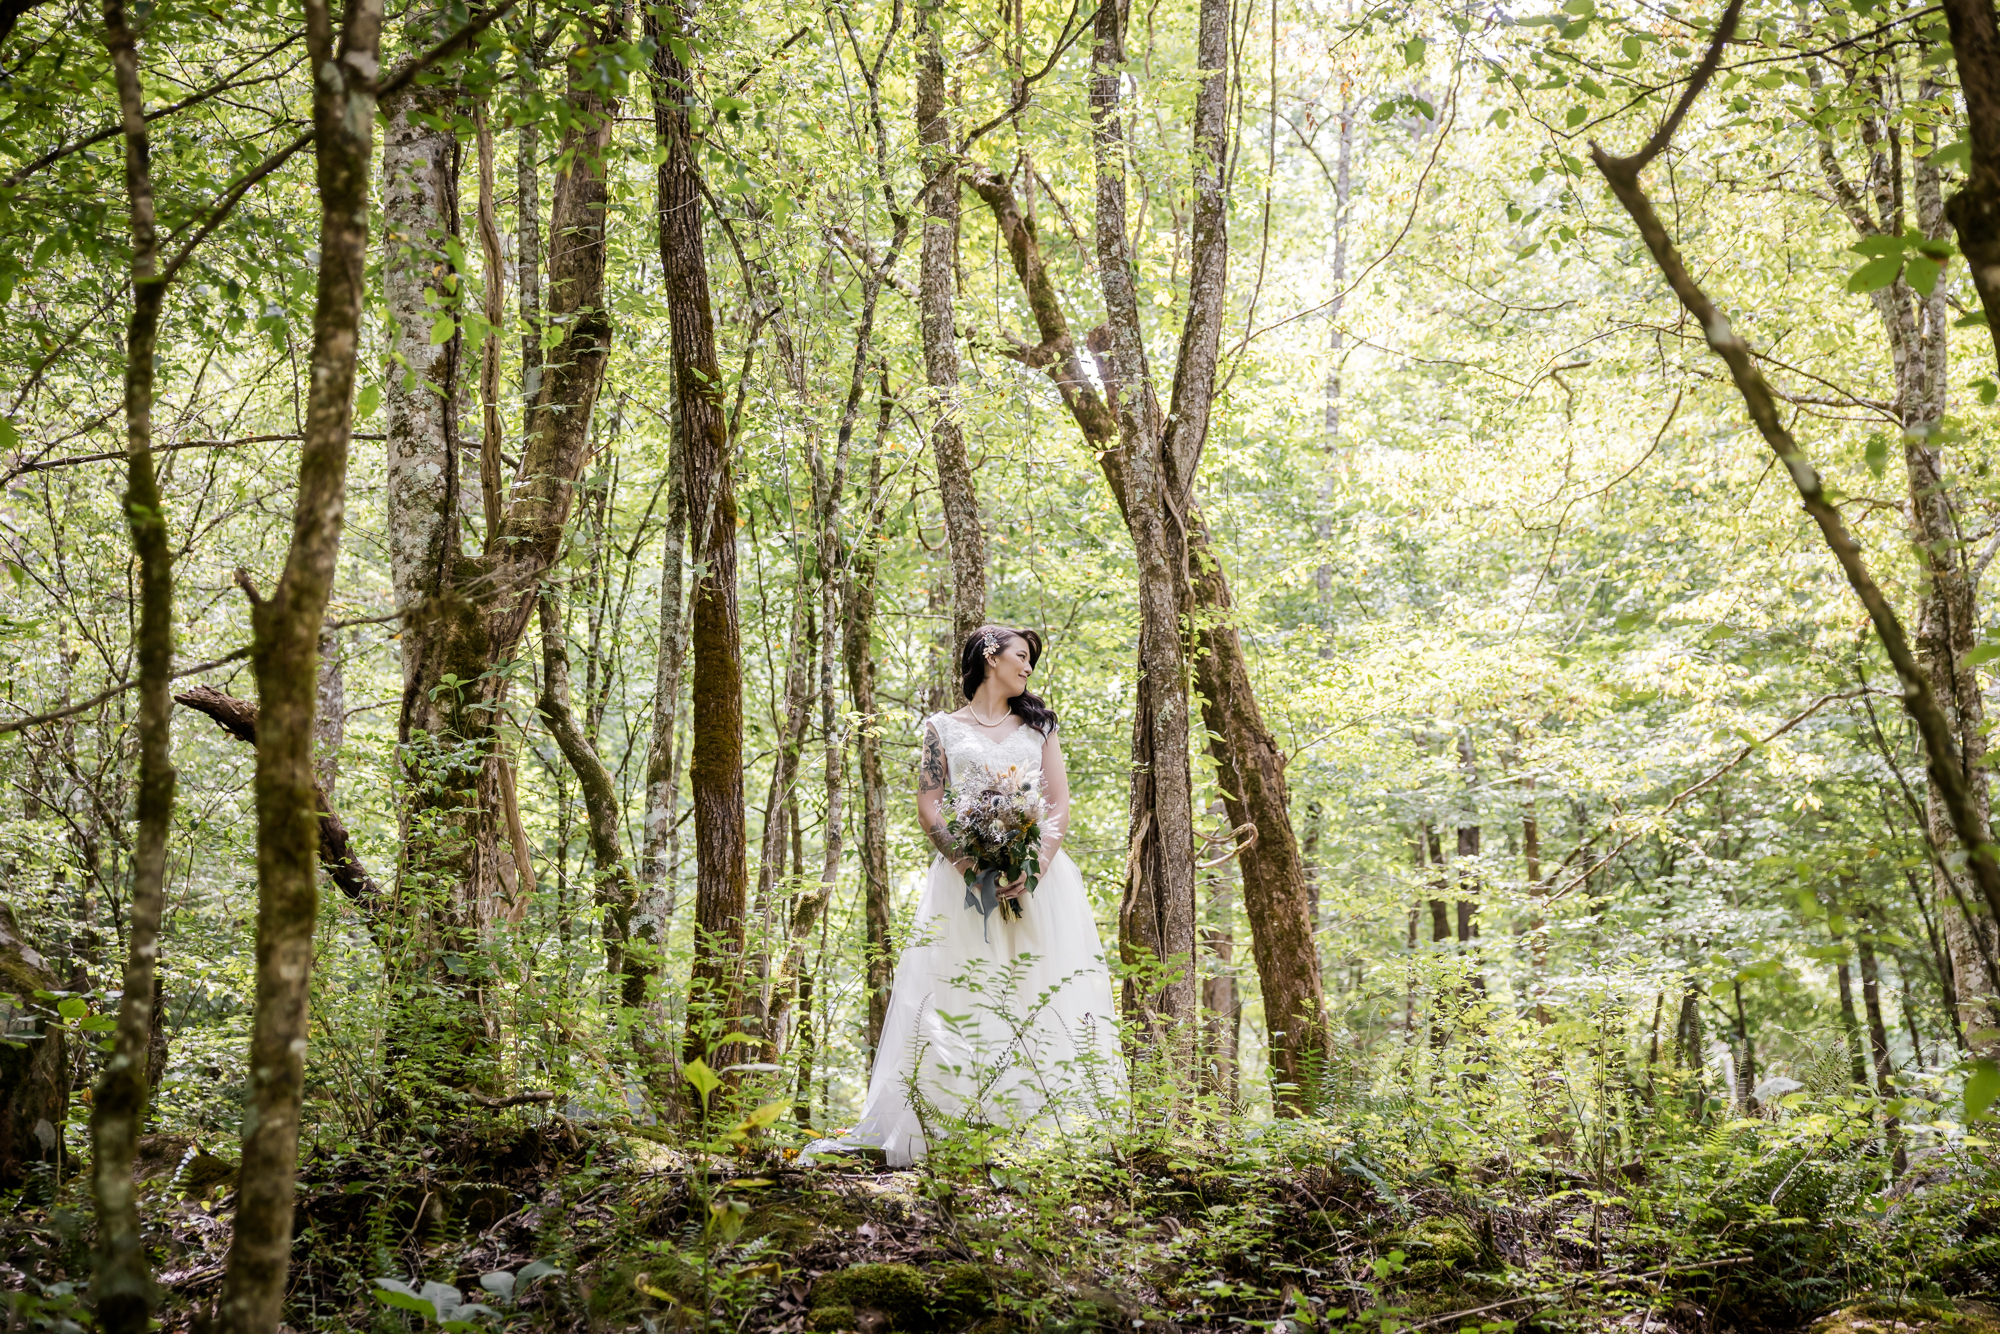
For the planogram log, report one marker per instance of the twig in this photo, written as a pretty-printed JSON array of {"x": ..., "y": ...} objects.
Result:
[{"x": 120, "y": 455}]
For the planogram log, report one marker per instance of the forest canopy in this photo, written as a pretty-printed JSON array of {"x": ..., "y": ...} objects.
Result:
[{"x": 493, "y": 494}]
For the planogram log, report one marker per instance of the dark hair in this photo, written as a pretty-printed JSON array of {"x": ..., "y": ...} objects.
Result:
[{"x": 1028, "y": 707}]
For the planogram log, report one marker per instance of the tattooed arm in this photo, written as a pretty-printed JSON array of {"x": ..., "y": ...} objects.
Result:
[{"x": 931, "y": 775}]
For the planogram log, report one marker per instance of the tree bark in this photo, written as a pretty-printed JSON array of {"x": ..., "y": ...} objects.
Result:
[
  {"x": 285, "y": 639},
  {"x": 330, "y": 715},
  {"x": 1222, "y": 1012},
  {"x": 857, "y": 641},
  {"x": 1878, "y": 1037},
  {"x": 1975, "y": 208},
  {"x": 937, "y": 288},
  {"x": 1947, "y": 619},
  {"x": 455, "y": 873},
  {"x": 34, "y": 1075},
  {"x": 1276, "y": 893},
  {"x": 528, "y": 229},
  {"x": 123, "y": 1285},
  {"x": 1850, "y": 1023},
  {"x": 1156, "y": 920},
  {"x": 715, "y": 763},
  {"x": 424, "y": 495},
  {"x": 617, "y": 889},
  {"x": 660, "y": 867}
]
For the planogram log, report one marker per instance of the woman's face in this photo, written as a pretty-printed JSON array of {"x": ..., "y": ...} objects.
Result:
[{"x": 1009, "y": 669}]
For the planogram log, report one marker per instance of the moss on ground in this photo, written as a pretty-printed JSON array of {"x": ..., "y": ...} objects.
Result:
[
  {"x": 898, "y": 1291},
  {"x": 1883, "y": 1316}
]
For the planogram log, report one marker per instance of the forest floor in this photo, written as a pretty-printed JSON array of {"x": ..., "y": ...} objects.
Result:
[{"x": 542, "y": 1225}]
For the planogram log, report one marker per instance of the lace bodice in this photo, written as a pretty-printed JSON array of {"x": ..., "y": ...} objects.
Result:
[{"x": 968, "y": 746}]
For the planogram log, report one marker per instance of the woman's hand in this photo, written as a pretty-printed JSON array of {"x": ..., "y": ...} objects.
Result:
[{"x": 1014, "y": 890}]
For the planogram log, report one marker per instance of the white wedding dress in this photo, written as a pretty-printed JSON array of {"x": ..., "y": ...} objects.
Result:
[{"x": 1001, "y": 1022}]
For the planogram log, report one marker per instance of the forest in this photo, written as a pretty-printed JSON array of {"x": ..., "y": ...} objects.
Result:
[{"x": 496, "y": 496}]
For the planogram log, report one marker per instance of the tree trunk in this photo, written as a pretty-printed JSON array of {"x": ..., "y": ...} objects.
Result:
[
  {"x": 528, "y": 228},
  {"x": 419, "y": 390},
  {"x": 1878, "y": 1038},
  {"x": 1469, "y": 879},
  {"x": 1850, "y": 1024},
  {"x": 455, "y": 873},
  {"x": 715, "y": 764},
  {"x": 1156, "y": 920},
  {"x": 659, "y": 866},
  {"x": 330, "y": 716},
  {"x": 937, "y": 324},
  {"x": 616, "y": 889},
  {"x": 1251, "y": 771},
  {"x": 285, "y": 631},
  {"x": 34, "y": 1075},
  {"x": 1222, "y": 1012},
  {"x": 858, "y": 641},
  {"x": 123, "y": 1285},
  {"x": 1975, "y": 208}
]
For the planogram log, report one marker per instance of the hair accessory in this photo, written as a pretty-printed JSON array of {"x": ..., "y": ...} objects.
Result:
[{"x": 990, "y": 643}]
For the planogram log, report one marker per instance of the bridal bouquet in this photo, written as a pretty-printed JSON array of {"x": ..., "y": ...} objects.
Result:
[{"x": 996, "y": 820}]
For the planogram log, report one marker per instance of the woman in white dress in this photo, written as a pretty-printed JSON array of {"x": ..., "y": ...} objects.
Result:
[{"x": 1000, "y": 1021}]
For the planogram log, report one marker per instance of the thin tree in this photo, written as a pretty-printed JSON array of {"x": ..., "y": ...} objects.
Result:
[
  {"x": 285, "y": 630},
  {"x": 123, "y": 1285},
  {"x": 715, "y": 760}
]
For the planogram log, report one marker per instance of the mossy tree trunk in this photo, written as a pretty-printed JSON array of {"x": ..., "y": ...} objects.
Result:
[
  {"x": 123, "y": 1284},
  {"x": 285, "y": 643}
]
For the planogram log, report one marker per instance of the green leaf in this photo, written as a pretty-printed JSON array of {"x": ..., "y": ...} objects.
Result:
[
  {"x": 9, "y": 437},
  {"x": 442, "y": 329},
  {"x": 72, "y": 1008},
  {"x": 99, "y": 1023},
  {"x": 1954, "y": 155},
  {"x": 367, "y": 400},
  {"x": 1413, "y": 51},
  {"x": 1877, "y": 454},
  {"x": 1984, "y": 653},
  {"x": 1972, "y": 319},
  {"x": 1922, "y": 273},
  {"x": 1500, "y": 117},
  {"x": 1982, "y": 1086},
  {"x": 403, "y": 1297},
  {"x": 1876, "y": 273},
  {"x": 1888, "y": 244},
  {"x": 536, "y": 1269},
  {"x": 1632, "y": 46},
  {"x": 1988, "y": 391},
  {"x": 705, "y": 1080}
]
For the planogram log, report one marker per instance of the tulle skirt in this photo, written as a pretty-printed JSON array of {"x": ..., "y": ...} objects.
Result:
[{"x": 1008, "y": 1024}]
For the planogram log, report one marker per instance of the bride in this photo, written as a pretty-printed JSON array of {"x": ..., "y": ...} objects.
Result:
[{"x": 1003, "y": 1021}]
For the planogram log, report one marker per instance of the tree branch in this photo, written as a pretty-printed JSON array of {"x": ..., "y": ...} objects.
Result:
[
  {"x": 1919, "y": 698},
  {"x": 337, "y": 857}
]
